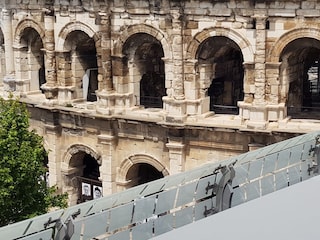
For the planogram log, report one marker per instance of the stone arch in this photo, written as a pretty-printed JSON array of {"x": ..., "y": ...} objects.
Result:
[
  {"x": 242, "y": 42},
  {"x": 25, "y": 24},
  {"x": 28, "y": 43},
  {"x": 74, "y": 26},
  {"x": 80, "y": 165},
  {"x": 142, "y": 28},
  {"x": 285, "y": 39},
  {"x": 79, "y": 44},
  {"x": 298, "y": 51},
  {"x": 76, "y": 148},
  {"x": 137, "y": 159},
  {"x": 136, "y": 73}
]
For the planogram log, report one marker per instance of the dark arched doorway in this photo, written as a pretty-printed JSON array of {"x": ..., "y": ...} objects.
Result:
[
  {"x": 32, "y": 65},
  {"x": 84, "y": 66},
  {"x": 85, "y": 179},
  {"x": 223, "y": 62},
  {"x": 141, "y": 173},
  {"x": 299, "y": 74},
  {"x": 145, "y": 54}
]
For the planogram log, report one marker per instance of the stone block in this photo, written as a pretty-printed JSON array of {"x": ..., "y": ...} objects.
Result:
[
  {"x": 205, "y": 5},
  {"x": 282, "y": 12},
  {"x": 308, "y": 4},
  {"x": 221, "y": 12},
  {"x": 277, "y": 4},
  {"x": 292, "y": 5},
  {"x": 308, "y": 12}
]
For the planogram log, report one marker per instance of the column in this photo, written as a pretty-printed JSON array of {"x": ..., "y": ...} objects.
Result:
[
  {"x": 256, "y": 112},
  {"x": 176, "y": 147},
  {"x": 108, "y": 168},
  {"x": 106, "y": 81},
  {"x": 105, "y": 94},
  {"x": 53, "y": 133},
  {"x": 50, "y": 87},
  {"x": 174, "y": 102},
  {"x": 9, "y": 79},
  {"x": 177, "y": 53},
  {"x": 260, "y": 59},
  {"x": 177, "y": 156}
]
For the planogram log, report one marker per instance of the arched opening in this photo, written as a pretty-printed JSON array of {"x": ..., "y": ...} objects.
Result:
[
  {"x": 85, "y": 177},
  {"x": 31, "y": 59},
  {"x": 221, "y": 60},
  {"x": 299, "y": 73},
  {"x": 141, "y": 173},
  {"x": 147, "y": 74},
  {"x": 84, "y": 66}
]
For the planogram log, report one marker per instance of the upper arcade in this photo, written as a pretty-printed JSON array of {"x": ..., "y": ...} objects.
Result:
[{"x": 232, "y": 64}]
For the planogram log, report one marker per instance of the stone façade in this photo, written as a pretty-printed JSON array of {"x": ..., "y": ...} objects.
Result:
[{"x": 248, "y": 56}]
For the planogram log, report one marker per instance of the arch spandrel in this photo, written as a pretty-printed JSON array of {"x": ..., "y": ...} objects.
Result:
[
  {"x": 74, "y": 26},
  {"x": 142, "y": 28},
  {"x": 240, "y": 40},
  {"x": 277, "y": 49},
  {"x": 136, "y": 159},
  {"x": 27, "y": 23}
]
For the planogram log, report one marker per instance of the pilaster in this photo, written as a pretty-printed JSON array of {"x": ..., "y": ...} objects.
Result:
[
  {"x": 254, "y": 107},
  {"x": 106, "y": 96},
  {"x": 6, "y": 26},
  {"x": 174, "y": 102},
  {"x": 52, "y": 133},
  {"x": 176, "y": 147},
  {"x": 50, "y": 88},
  {"x": 106, "y": 144},
  {"x": 260, "y": 59}
]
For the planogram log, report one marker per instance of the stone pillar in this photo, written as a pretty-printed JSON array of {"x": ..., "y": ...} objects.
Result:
[
  {"x": 196, "y": 86},
  {"x": 110, "y": 69},
  {"x": 174, "y": 103},
  {"x": 260, "y": 60},
  {"x": 50, "y": 87},
  {"x": 254, "y": 107},
  {"x": 9, "y": 79},
  {"x": 52, "y": 133},
  {"x": 176, "y": 147},
  {"x": 177, "y": 156},
  {"x": 108, "y": 168},
  {"x": 66, "y": 89},
  {"x": 249, "y": 84},
  {"x": 177, "y": 53},
  {"x": 105, "y": 77},
  {"x": 274, "y": 93}
]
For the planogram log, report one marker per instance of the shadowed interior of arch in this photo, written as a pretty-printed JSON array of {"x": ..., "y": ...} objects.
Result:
[
  {"x": 299, "y": 74},
  {"x": 85, "y": 174},
  {"x": 31, "y": 49},
  {"x": 141, "y": 173},
  {"x": 84, "y": 67},
  {"x": 221, "y": 58},
  {"x": 145, "y": 54}
]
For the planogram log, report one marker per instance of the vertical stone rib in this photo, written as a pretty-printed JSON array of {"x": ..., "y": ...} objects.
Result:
[
  {"x": 8, "y": 41},
  {"x": 260, "y": 59},
  {"x": 50, "y": 62},
  {"x": 106, "y": 82},
  {"x": 177, "y": 49}
]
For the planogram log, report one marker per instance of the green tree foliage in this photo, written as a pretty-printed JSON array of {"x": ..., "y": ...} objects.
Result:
[{"x": 23, "y": 189}]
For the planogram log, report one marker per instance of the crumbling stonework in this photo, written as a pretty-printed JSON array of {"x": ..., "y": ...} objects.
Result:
[{"x": 159, "y": 86}]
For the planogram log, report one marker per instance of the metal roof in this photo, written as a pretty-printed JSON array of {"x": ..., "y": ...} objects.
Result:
[
  {"x": 158, "y": 207},
  {"x": 291, "y": 213}
]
